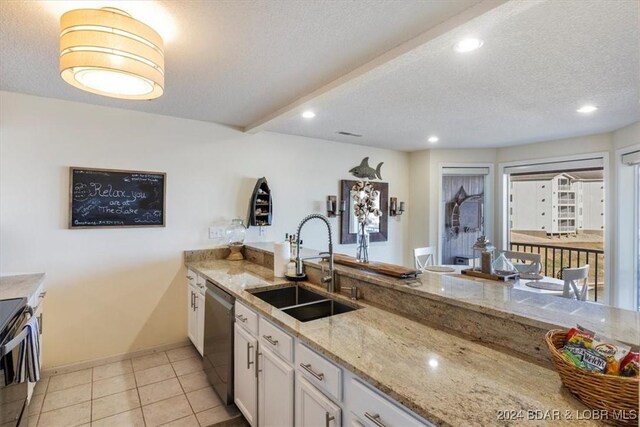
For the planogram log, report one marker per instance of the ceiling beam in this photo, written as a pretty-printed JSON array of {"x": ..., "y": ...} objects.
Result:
[{"x": 296, "y": 106}]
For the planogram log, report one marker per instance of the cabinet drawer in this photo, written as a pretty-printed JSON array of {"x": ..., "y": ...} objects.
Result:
[
  {"x": 319, "y": 371},
  {"x": 373, "y": 409},
  {"x": 201, "y": 281},
  {"x": 192, "y": 277},
  {"x": 276, "y": 339},
  {"x": 247, "y": 318}
]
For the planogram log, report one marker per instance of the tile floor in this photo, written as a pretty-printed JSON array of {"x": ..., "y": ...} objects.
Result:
[{"x": 166, "y": 388}]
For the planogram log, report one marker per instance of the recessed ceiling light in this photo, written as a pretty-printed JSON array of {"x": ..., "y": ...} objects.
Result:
[
  {"x": 433, "y": 139},
  {"x": 586, "y": 109},
  {"x": 308, "y": 114},
  {"x": 467, "y": 45}
]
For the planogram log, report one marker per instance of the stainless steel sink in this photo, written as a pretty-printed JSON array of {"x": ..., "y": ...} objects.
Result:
[
  {"x": 318, "y": 310},
  {"x": 289, "y": 296},
  {"x": 303, "y": 304}
]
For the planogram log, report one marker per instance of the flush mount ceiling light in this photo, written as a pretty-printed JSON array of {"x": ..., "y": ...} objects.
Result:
[
  {"x": 433, "y": 139},
  {"x": 308, "y": 114},
  {"x": 467, "y": 45},
  {"x": 586, "y": 109},
  {"x": 107, "y": 52}
]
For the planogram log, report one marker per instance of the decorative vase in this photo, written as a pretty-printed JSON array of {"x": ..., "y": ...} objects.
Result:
[{"x": 362, "y": 243}]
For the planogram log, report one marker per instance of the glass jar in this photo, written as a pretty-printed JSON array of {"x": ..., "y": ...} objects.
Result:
[
  {"x": 503, "y": 266},
  {"x": 236, "y": 232}
]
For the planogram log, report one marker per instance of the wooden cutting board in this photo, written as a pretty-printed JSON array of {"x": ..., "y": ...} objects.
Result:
[{"x": 377, "y": 267}]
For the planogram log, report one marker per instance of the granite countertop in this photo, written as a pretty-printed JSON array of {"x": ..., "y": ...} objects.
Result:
[
  {"x": 503, "y": 300},
  {"x": 446, "y": 379},
  {"x": 20, "y": 286}
]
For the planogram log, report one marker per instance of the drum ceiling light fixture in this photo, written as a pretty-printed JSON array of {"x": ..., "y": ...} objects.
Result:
[{"x": 107, "y": 52}]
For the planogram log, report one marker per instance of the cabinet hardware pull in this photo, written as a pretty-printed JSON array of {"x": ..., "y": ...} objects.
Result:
[
  {"x": 241, "y": 318},
  {"x": 189, "y": 277},
  {"x": 195, "y": 302},
  {"x": 192, "y": 300},
  {"x": 270, "y": 339},
  {"x": 40, "y": 323},
  {"x": 375, "y": 419},
  {"x": 328, "y": 418},
  {"x": 43, "y": 294},
  {"x": 249, "y": 362},
  {"x": 307, "y": 368}
]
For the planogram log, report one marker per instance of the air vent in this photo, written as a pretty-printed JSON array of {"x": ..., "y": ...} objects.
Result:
[{"x": 349, "y": 134}]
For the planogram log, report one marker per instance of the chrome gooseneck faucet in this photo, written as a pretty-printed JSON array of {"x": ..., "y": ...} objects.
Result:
[{"x": 329, "y": 280}]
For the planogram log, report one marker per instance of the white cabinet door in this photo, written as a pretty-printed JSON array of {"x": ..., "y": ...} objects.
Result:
[
  {"x": 244, "y": 370},
  {"x": 313, "y": 408},
  {"x": 275, "y": 390},
  {"x": 192, "y": 325},
  {"x": 199, "y": 317}
]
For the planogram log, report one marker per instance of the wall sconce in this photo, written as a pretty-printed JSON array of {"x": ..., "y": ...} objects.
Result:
[
  {"x": 332, "y": 206},
  {"x": 333, "y": 209},
  {"x": 395, "y": 208}
]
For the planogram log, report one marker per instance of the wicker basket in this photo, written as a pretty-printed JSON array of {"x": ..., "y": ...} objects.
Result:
[{"x": 617, "y": 395}]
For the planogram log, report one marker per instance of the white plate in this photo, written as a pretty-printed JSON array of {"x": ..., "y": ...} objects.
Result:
[
  {"x": 439, "y": 269},
  {"x": 531, "y": 276}
]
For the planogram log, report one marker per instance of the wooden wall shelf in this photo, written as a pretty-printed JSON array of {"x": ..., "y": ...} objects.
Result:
[{"x": 261, "y": 205}]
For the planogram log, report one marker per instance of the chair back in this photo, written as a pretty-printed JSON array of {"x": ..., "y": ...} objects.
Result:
[
  {"x": 572, "y": 286},
  {"x": 535, "y": 261},
  {"x": 423, "y": 257}
]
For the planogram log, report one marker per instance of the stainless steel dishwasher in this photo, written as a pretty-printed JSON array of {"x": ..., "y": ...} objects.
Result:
[{"x": 218, "y": 341}]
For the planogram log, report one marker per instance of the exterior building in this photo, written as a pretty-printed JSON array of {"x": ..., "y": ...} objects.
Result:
[{"x": 557, "y": 203}]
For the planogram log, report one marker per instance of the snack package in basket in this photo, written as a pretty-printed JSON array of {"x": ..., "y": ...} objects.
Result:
[
  {"x": 594, "y": 352},
  {"x": 630, "y": 365},
  {"x": 613, "y": 351}
]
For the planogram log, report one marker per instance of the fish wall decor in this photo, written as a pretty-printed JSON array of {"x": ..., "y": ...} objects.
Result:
[{"x": 364, "y": 171}]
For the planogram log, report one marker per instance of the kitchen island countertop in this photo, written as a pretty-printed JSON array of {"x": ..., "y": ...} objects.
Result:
[{"x": 447, "y": 379}]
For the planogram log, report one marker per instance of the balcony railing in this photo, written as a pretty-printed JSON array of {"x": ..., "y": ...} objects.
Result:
[
  {"x": 564, "y": 188},
  {"x": 570, "y": 215},
  {"x": 566, "y": 201},
  {"x": 566, "y": 228},
  {"x": 555, "y": 258}
]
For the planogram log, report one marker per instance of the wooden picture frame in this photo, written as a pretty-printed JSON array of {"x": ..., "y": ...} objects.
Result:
[
  {"x": 115, "y": 199},
  {"x": 346, "y": 234}
]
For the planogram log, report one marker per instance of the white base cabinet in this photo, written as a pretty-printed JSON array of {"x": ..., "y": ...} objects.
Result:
[
  {"x": 195, "y": 310},
  {"x": 244, "y": 372},
  {"x": 275, "y": 390},
  {"x": 314, "y": 409}
]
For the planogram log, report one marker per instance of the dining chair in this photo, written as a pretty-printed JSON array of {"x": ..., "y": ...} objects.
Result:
[
  {"x": 572, "y": 277},
  {"x": 535, "y": 261},
  {"x": 424, "y": 257}
]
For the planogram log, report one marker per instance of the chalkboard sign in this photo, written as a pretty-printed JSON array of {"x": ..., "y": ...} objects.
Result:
[{"x": 116, "y": 198}]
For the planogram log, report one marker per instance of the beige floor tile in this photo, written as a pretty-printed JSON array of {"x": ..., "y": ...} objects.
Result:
[
  {"x": 41, "y": 386},
  {"x": 194, "y": 381},
  {"x": 187, "y": 366},
  {"x": 149, "y": 361},
  {"x": 66, "y": 397},
  {"x": 154, "y": 375},
  {"x": 131, "y": 418},
  {"x": 35, "y": 406},
  {"x": 190, "y": 421},
  {"x": 217, "y": 415},
  {"x": 203, "y": 399},
  {"x": 60, "y": 382},
  {"x": 70, "y": 416},
  {"x": 114, "y": 404},
  {"x": 166, "y": 410},
  {"x": 32, "y": 421},
  {"x": 113, "y": 385},
  {"x": 182, "y": 353},
  {"x": 159, "y": 391},
  {"x": 112, "y": 369}
]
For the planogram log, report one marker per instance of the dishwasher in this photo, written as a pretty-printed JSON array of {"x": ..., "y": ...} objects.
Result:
[{"x": 218, "y": 341}]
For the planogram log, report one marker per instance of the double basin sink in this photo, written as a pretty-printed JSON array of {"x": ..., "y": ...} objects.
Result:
[{"x": 302, "y": 304}]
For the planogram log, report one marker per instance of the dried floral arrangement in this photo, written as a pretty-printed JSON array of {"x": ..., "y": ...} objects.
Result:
[{"x": 366, "y": 202}]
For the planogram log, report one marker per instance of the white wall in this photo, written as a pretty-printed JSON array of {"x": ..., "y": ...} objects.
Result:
[
  {"x": 629, "y": 135},
  {"x": 120, "y": 290}
]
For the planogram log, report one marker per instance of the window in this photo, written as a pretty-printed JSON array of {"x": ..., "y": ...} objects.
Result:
[{"x": 571, "y": 240}]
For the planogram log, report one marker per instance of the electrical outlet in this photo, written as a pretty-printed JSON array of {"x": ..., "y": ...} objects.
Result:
[{"x": 216, "y": 233}]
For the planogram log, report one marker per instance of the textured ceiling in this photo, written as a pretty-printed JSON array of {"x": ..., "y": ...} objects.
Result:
[
  {"x": 382, "y": 69},
  {"x": 230, "y": 62},
  {"x": 540, "y": 61}
]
